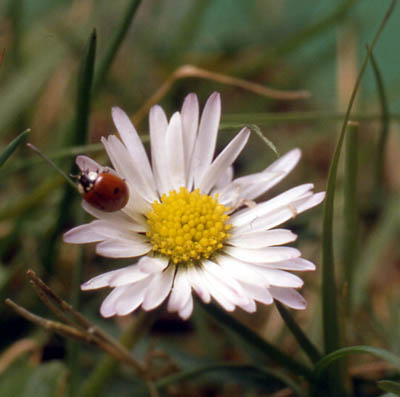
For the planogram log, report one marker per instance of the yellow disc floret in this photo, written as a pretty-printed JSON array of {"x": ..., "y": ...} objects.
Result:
[{"x": 187, "y": 226}]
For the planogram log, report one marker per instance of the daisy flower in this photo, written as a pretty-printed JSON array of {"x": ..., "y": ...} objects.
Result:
[{"x": 192, "y": 226}]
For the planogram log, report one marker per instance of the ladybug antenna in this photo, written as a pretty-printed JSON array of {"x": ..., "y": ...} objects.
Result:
[
  {"x": 52, "y": 164},
  {"x": 73, "y": 176}
]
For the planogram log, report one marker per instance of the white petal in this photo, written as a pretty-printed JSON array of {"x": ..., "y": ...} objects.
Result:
[
  {"x": 316, "y": 199},
  {"x": 281, "y": 278},
  {"x": 248, "y": 215},
  {"x": 119, "y": 156},
  {"x": 158, "y": 125},
  {"x": 107, "y": 308},
  {"x": 199, "y": 284},
  {"x": 190, "y": 124},
  {"x": 158, "y": 289},
  {"x": 225, "y": 178},
  {"x": 187, "y": 310},
  {"x": 280, "y": 168},
  {"x": 133, "y": 276},
  {"x": 241, "y": 271},
  {"x": 233, "y": 286},
  {"x": 180, "y": 294},
  {"x": 206, "y": 139},
  {"x": 175, "y": 155},
  {"x": 249, "y": 307},
  {"x": 85, "y": 164},
  {"x": 152, "y": 265},
  {"x": 220, "y": 294},
  {"x": 260, "y": 294},
  {"x": 83, "y": 234},
  {"x": 215, "y": 288},
  {"x": 238, "y": 190},
  {"x": 115, "y": 278},
  {"x": 94, "y": 231},
  {"x": 224, "y": 160},
  {"x": 283, "y": 166},
  {"x": 281, "y": 215},
  {"x": 134, "y": 145},
  {"x": 226, "y": 291},
  {"x": 263, "y": 255},
  {"x": 252, "y": 186},
  {"x": 296, "y": 264},
  {"x": 261, "y": 239},
  {"x": 119, "y": 248},
  {"x": 118, "y": 219},
  {"x": 129, "y": 168},
  {"x": 131, "y": 299},
  {"x": 289, "y": 297},
  {"x": 137, "y": 207}
]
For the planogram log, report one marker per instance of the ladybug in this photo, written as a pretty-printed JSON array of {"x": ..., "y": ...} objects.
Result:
[{"x": 103, "y": 190}]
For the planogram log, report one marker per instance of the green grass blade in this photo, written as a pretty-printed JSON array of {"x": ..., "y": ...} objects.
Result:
[
  {"x": 105, "y": 370},
  {"x": 254, "y": 341},
  {"x": 234, "y": 371},
  {"x": 374, "y": 248},
  {"x": 350, "y": 235},
  {"x": 77, "y": 136},
  {"x": 339, "y": 354},
  {"x": 118, "y": 37},
  {"x": 83, "y": 100},
  {"x": 308, "y": 347},
  {"x": 330, "y": 317},
  {"x": 9, "y": 150},
  {"x": 390, "y": 386}
]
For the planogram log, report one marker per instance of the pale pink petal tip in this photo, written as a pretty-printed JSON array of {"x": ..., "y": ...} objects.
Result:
[{"x": 289, "y": 297}]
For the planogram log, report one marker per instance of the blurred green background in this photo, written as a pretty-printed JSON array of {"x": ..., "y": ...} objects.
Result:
[{"x": 316, "y": 46}]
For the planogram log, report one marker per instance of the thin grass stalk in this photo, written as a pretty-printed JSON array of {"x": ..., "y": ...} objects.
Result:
[
  {"x": 302, "y": 339},
  {"x": 228, "y": 121},
  {"x": 10, "y": 148},
  {"x": 255, "y": 342},
  {"x": 232, "y": 120}
]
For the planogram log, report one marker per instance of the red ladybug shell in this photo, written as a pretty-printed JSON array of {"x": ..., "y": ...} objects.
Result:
[{"x": 104, "y": 191}]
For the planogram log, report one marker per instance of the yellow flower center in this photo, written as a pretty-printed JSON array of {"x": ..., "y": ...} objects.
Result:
[{"x": 187, "y": 226}]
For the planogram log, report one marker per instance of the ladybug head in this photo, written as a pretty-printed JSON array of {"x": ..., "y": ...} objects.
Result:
[{"x": 86, "y": 180}]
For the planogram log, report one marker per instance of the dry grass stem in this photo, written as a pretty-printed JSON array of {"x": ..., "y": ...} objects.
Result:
[
  {"x": 187, "y": 71},
  {"x": 77, "y": 327}
]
